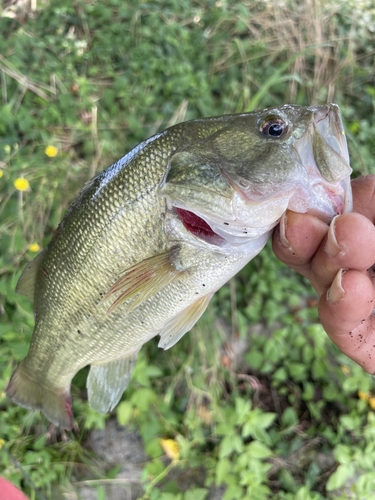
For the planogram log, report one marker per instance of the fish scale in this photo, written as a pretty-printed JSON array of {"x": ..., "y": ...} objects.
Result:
[{"x": 148, "y": 241}]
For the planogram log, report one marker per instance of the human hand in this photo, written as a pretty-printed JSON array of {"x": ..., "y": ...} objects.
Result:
[
  {"x": 339, "y": 260},
  {"x": 9, "y": 491}
]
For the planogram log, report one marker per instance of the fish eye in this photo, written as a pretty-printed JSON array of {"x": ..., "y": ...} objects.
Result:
[{"x": 273, "y": 126}]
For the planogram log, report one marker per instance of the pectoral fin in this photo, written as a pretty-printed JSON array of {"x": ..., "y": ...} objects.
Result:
[
  {"x": 26, "y": 283},
  {"x": 106, "y": 383},
  {"x": 183, "y": 322},
  {"x": 144, "y": 280}
]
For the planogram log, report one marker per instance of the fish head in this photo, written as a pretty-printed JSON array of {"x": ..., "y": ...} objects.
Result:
[{"x": 233, "y": 182}]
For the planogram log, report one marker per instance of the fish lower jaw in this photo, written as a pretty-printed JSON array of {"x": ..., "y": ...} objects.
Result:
[{"x": 323, "y": 201}]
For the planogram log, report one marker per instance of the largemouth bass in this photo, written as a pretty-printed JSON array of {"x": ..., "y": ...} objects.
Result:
[{"x": 148, "y": 241}]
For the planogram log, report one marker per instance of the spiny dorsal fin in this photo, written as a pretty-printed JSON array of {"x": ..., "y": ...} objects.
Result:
[
  {"x": 26, "y": 283},
  {"x": 183, "y": 322},
  {"x": 144, "y": 280},
  {"x": 107, "y": 382}
]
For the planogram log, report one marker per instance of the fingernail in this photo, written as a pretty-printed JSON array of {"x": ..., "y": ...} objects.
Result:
[
  {"x": 336, "y": 291},
  {"x": 332, "y": 248},
  {"x": 284, "y": 240}
]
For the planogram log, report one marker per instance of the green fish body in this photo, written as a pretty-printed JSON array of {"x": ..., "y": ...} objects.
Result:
[{"x": 149, "y": 240}]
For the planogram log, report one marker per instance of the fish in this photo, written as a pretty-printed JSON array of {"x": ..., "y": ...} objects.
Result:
[{"x": 148, "y": 241}]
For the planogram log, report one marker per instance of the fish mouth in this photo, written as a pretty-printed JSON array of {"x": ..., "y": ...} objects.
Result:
[{"x": 323, "y": 152}]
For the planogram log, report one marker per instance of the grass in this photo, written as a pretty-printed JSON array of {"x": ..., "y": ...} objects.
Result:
[{"x": 255, "y": 395}]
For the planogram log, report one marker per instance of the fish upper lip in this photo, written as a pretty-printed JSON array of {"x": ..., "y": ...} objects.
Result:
[
  {"x": 317, "y": 113},
  {"x": 329, "y": 124}
]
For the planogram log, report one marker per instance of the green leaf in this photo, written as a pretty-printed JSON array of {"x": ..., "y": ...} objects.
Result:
[
  {"x": 231, "y": 442},
  {"x": 297, "y": 371},
  {"x": 351, "y": 422},
  {"x": 266, "y": 419},
  {"x": 280, "y": 374},
  {"x": 258, "y": 450},
  {"x": 143, "y": 398},
  {"x": 343, "y": 453},
  {"x": 233, "y": 492},
  {"x": 289, "y": 418},
  {"x": 124, "y": 412},
  {"x": 304, "y": 494},
  {"x": 243, "y": 407},
  {"x": 112, "y": 473},
  {"x": 351, "y": 384},
  {"x": 196, "y": 494},
  {"x": 255, "y": 359},
  {"x": 153, "y": 448},
  {"x": 223, "y": 468},
  {"x": 166, "y": 495},
  {"x": 154, "y": 371},
  {"x": 100, "y": 492},
  {"x": 341, "y": 476}
]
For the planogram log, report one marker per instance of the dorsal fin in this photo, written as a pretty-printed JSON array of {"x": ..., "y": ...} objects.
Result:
[
  {"x": 107, "y": 382},
  {"x": 26, "y": 283}
]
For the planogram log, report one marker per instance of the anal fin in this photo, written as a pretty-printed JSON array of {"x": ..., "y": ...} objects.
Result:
[
  {"x": 144, "y": 280},
  {"x": 183, "y": 322},
  {"x": 107, "y": 382}
]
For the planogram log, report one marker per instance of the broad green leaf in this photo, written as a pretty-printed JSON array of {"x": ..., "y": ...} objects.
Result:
[
  {"x": 341, "y": 475},
  {"x": 196, "y": 494},
  {"x": 124, "y": 412},
  {"x": 223, "y": 468},
  {"x": 258, "y": 450},
  {"x": 289, "y": 417},
  {"x": 343, "y": 453}
]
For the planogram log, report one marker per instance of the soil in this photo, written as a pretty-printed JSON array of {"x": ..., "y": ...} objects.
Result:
[{"x": 122, "y": 446}]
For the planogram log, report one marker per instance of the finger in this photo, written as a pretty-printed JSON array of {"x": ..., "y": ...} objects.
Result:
[
  {"x": 346, "y": 315},
  {"x": 364, "y": 196},
  {"x": 350, "y": 243},
  {"x": 297, "y": 238}
]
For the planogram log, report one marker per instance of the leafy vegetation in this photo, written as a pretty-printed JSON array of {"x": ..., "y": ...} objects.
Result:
[{"x": 256, "y": 395}]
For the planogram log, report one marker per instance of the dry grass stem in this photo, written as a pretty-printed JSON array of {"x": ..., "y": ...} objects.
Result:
[{"x": 25, "y": 81}]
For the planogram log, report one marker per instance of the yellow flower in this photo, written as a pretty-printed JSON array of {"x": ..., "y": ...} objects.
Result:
[
  {"x": 371, "y": 402},
  {"x": 345, "y": 369},
  {"x": 1, "y": 173},
  {"x": 51, "y": 151},
  {"x": 363, "y": 395},
  {"x": 21, "y": 184},
  {"x": 34, "y": 247},
  {"x": 171, "y": 448},
  {"x": 2, "y": 442}
]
